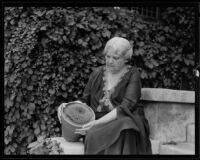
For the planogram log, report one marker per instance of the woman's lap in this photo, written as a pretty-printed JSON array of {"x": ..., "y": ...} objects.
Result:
[{"x": 117, "y": 137}]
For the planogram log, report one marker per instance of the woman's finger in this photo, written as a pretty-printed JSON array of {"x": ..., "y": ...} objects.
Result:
[
  {"x": 86, "y": 125},
  {"x": 80, "y": 132},
  {"x": 82, "y": 129}
]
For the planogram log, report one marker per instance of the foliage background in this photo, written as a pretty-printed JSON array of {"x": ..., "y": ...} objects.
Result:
[{"x": 49, "y": 53}]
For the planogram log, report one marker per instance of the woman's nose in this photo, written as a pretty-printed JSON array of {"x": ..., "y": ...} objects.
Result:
[{"x": 110, "y": 60}]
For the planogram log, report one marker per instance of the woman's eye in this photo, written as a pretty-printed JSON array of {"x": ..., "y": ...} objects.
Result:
[{"x": 116, "y": 58}]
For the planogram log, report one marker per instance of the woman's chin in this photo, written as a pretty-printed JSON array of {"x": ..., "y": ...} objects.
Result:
[{"x": 113, "y": 70}]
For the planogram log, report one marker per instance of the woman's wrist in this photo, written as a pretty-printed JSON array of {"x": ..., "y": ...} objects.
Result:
[{"x": 96, "y": 122}]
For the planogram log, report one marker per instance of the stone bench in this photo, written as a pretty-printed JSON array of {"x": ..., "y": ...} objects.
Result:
[
  {"x": 169, "y": 112},
  {"x": 171, "y": 118}
]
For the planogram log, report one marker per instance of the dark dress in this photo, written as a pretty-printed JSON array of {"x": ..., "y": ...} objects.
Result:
[{"x": 129, "y": 133}]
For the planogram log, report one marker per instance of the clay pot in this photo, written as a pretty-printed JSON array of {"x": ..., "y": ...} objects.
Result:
[{"x": 73, "y": 116}]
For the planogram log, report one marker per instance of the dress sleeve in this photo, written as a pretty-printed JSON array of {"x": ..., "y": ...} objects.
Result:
[
  {"x": 132, "y": 95},
  {"x": 87, "y": 91}
]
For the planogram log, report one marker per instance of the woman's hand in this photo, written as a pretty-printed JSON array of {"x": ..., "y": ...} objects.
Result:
[
  {"x": 86, "y": 127},
  {"x": 59, "y": 110}
]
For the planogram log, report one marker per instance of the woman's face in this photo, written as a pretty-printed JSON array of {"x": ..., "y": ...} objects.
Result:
[{"x": 114, "y": 61}]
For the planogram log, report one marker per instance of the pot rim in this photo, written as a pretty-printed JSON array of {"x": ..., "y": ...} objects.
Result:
[{"x": 71, "y": 122}]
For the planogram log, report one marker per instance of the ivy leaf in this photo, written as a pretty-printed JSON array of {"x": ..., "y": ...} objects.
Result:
[
  {"x": 30, "y": 88},
  {"x": 139, "y": 52},
  {"x": 6, "y": 141},
  {"x": 184, "y": 70},
  {"x": 94, "y": 26},
  {"x": 63, "y": 87},
  {"x": 24, "y": 65},
  {"x": 51, "y": 91},
  {"x": 106, "y": 33},
  {"x": 12, "y": 78},
  {"x": 68, "y": 80},
  {"x": 64, "y": 95},
  {"x": 33, "y": 78},
  {"x": 188, "y": 61},
  {"x": 37, "y": 130},
  {"x": 141, "y": 44},
  {"x": 31, "y": 106},
  {"x": 80, "y": 26},
  {"x": 8, "y": 103},
  {"x": 43, "y": 28},
  {"x": 39, "y": 13},
  {"x": 144, "y": 75},
  {"x": 163, "y": 48}
]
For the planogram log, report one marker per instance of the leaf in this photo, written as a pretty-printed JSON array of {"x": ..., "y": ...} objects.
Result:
[
  {"x": 6, "y": 141},
  {"x": 51, "y": 91},
  {"x": 24, "y": 65},
  {"x": 33, "y": 77},
  {"x": 68, "y": 80},
  {"x": 163, "y": 48},
  {"x": 19, "y": 98},
  {"x": 37, "y": 131},
  {"x": 94, "y": 26},
  {"x": 106, "y": 33},
  {"x": 43, "y": 127},
  {"x": 12, "y": 78},
  {"x": 30, "y": 88},
  {"x": 144, "y": 75},
  {"x": 141, "y": 44},
  {"x": 31, "y": 106},
  {"x": 64, "y": 38},
  {"x": 10, "y": 131},
  {"x": 43, "y": 28},
  {"x": 64, "y": 95},
  {"x": 63, "y": 87},
  {"x": 139, "y": 52},
  {"x": 33, "y": 144},
  {"x": 8, "y": 103},
  {"x": 71, "y": 23},
  {"x": 24, "y": 84},
  {"x": 80, "y": 26},
  {"x": 140, "y": 26},
  {"x": 38, "y": 13}
]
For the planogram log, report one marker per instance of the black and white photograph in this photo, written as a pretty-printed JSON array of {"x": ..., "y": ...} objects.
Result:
[{"x": 121, "y": 79}]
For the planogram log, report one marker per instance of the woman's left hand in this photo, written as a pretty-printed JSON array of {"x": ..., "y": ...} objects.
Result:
[{"x": 85, "y": 128}]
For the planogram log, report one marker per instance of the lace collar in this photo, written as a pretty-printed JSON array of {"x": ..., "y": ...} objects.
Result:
[
  {"x": 105, "y": 101},
  {"x": 119, "y": 80}
]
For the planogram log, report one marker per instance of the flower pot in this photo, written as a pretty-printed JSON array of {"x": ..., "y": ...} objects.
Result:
[{"x": 73, "y": 116}]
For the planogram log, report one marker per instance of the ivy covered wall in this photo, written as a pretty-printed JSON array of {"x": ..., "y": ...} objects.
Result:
[{"x": 49, "y": 53}]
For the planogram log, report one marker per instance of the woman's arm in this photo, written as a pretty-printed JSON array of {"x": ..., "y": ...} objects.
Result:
[
  {"x": 112, "y": 115},
  {"x": 132, "y": 95}
]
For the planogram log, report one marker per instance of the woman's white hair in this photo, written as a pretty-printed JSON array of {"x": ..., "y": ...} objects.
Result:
[{"x": 121, "y": 46}]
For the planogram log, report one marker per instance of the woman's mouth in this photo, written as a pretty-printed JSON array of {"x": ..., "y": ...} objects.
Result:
[{"x": 110, "y": 66}]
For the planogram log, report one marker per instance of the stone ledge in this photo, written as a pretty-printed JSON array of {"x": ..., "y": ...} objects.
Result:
[
  {"x": 190, "y": 130},
  {"x": 73, "y": 148},
  {"x": 155, "y": 145},
  {"x": 77, "y": 148},
  {"x": 179, "y": 149},
  {"x": 167, "y": 95}
]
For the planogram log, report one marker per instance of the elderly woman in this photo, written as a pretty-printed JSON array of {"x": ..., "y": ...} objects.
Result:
[{"x": 113, "y": 92}]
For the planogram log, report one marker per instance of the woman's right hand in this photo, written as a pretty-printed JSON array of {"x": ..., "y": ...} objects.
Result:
[{"x": 59, "y": 110}]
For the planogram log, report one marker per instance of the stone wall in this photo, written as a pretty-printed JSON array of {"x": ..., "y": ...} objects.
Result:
[{"x": 170, "y": 113}]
